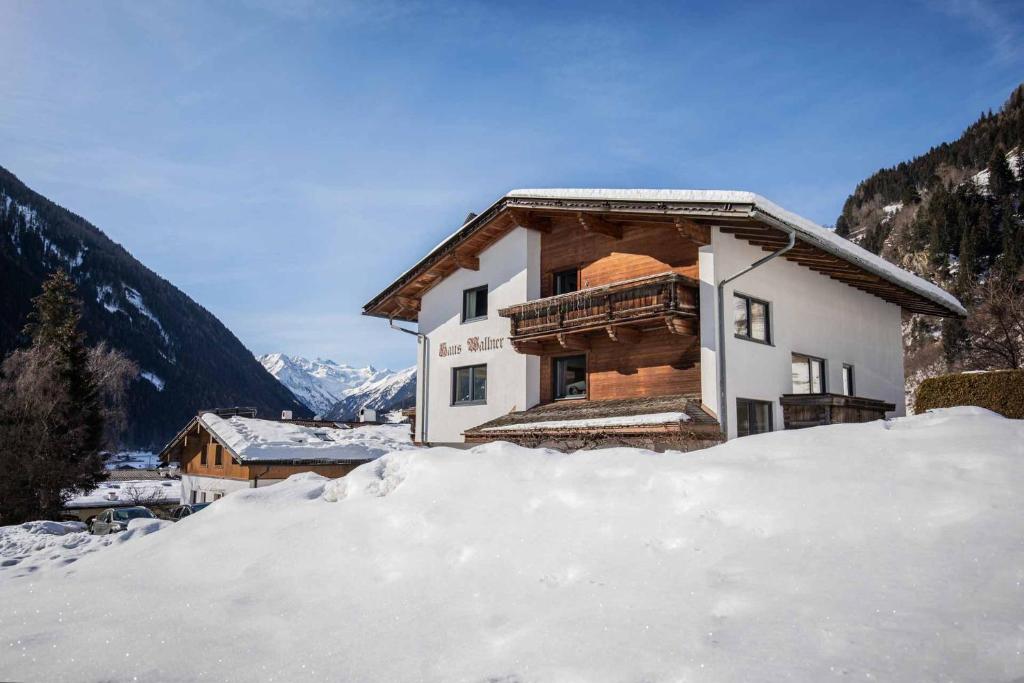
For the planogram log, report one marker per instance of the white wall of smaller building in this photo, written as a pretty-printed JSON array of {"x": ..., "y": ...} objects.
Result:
[
  {"x": 207, "y": 488},
  {"x": 811, "y": 314},
  {"x": 510, "y": 268}
]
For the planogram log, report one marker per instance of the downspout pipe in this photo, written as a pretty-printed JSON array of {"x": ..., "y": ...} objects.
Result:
[
  {"x": 723, "y": 408},
  {"x": 420, "y": 381}
]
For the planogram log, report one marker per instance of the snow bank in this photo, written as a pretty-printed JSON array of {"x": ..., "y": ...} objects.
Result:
[
  {"x": 883, "y": 551},
  {"x": 28, "y": 548},
  {"x": 255, "y": 440}
]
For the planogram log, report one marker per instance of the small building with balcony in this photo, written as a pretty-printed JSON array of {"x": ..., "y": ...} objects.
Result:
[{"x": 656, "y": 318}]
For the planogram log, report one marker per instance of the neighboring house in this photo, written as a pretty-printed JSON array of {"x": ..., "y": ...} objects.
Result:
[
  {"x": 126, "y": 488},
  {"x": 584, "y": 317},
  {"x": 223, "y": 453}
]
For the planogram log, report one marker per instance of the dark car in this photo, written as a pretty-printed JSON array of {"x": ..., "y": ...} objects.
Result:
[
  {"x": 183, "y": 511},
  {"x": 113, "y": 520}
]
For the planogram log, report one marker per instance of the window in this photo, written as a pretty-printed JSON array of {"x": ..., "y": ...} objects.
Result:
[
  {"x": 193, "y": 497},
  {"x": 474, "y": 304},
  {"x": 808, "y": 375},
  {"x": 202, "y": 456},
  {"x": 751, "y": 319},
  {"x": 753, "y": 417},
  {"x": 848, "y": 387},
  {"x": 218, "y": 457},
  {"x": 566, "y": 281},
  {"x": 469, "y": 384},
  {"x": 570, "y": 374}
]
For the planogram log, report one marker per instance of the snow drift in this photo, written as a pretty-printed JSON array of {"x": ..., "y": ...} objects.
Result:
[{"x": 882, "y": 551}]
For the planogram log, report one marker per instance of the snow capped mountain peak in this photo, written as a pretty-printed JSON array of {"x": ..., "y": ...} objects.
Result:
[{"x": 323, "y": 384}]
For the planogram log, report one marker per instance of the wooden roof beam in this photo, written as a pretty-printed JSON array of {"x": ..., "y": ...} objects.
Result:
[
  {"x": 600, "y": 226},
  {"x": 467, "y": 261},
  {"x": 525, "y": 219},
  {"x": 573, "y": 342},
  {"x": 694, "y": 232},
  {"x": 408, "y": 303},
  {"x": 624, "y": 334}
]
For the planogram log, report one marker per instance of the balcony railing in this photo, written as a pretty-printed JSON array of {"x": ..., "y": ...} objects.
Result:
[{"x": 628, "y": 302}]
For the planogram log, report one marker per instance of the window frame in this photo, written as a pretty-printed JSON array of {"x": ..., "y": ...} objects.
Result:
[
  {"x": 454, "y": 386},
  {"x": 203, "y": 459},
  {"x": 218, "y": 456},
  {"x": 486, "y": 305},
  {"x": 554, "y": 280},
  {"x": 810, "y": 375},
  {"x": 769, "y": 339},
  {"x": 755, "y": 401},
  {"x": 849, "y": 384},
  {"x": 554, "y": 377}
]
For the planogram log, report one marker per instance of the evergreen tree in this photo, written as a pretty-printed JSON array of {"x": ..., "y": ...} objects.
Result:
[
  {"x": 51, "y": 411},
  {"x": 1001, "y": 181}
]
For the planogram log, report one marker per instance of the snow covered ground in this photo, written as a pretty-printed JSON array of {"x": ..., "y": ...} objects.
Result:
[
  {"x": 136, "y": 459},
  {"x": 889, "y": 551}
]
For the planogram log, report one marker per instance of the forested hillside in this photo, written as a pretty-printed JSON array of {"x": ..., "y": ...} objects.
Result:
[
  {"x": 954, "y": 216},
  {"x": 188, "y": 359}
]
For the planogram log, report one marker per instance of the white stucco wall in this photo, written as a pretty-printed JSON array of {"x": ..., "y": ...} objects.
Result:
[
  {"x": 209, "y": 486},
  {"x": 511, "y": 270},
  {"x": 811, "y": 314}
]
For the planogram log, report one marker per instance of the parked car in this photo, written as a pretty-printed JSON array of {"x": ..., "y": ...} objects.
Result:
[
  {"x": 183, "y": 511},
  {"x": 113, "y": 520},
  {"x": 170, "y": 470}
]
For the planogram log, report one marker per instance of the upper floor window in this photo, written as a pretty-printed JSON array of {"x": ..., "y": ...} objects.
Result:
[
  {"x": 751, "y": 319},
  {"x": 218, "y": 456},
  {"x": 808, "y": 375},
  {"x": 566, "y": 281},
  {"x": 753, "y": 417},
  {"x": 848, "y": 387},
  {"x": 202, "y": 455},
  {"x": 474, "y": 304},
  {"x": 469, "y": 384},
  {"x": 570, "y": 375}
]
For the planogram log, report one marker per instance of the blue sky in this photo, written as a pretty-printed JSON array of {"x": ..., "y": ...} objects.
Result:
[{"x": 281, "y": 162}]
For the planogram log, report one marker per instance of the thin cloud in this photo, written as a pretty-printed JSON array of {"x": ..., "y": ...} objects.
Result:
[{"x": 994, "y": 19}]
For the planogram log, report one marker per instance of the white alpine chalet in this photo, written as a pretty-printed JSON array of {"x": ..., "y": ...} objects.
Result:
[{"x": 660, "y": 318}]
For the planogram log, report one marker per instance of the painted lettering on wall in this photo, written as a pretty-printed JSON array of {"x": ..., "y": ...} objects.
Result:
[{"x": 473, "y": 345}]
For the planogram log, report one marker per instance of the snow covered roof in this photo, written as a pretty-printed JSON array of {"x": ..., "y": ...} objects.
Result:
[
  {"x": 728, "y": 202},
  {"x": 254, "y": 440}
]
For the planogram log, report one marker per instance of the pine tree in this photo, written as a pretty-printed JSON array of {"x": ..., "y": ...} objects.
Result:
[
  {"x": 1001, "y": 181},
  {"x": 51, "y": 411}
]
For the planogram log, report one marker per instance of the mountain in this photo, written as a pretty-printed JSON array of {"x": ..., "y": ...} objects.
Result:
[
  {"x": 189, "y": 359},
  {"x": 954, "y": 216},
  {"x": 338, "y": 391}
]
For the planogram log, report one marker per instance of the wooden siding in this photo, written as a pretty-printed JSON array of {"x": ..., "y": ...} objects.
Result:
[
  {"x": 660, "y": 364},
  {"x": 646, "y": 249}
]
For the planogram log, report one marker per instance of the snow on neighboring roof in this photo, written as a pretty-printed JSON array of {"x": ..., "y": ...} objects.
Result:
[
  {"x": 808, "y": 229},
  {"x": 620, "y": 421},
  {"x": 254, "y": 440},
  {"x": 111, "y": 494}
]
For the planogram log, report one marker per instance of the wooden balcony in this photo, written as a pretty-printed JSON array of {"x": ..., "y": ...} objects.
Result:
[{"x": 623, "y": 310}]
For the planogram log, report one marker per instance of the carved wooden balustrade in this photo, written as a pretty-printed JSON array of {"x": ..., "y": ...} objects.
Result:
[{"x": 624, "y": 310}]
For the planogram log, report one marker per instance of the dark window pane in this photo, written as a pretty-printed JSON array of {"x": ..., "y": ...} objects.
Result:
[
  {"x": 759, "y": 320},
  {"x": 753, "y": 417},
  {"x": 817, "y": 376},
  {"x": 462, "y": 386},
  {"x": 848, "y": 380},
  {"x": 480, "y": 383},
  {"x": 740, "y": 317},
  {"x": 742, "y": 418},
  {"x": 565, "y": 281},
  {"x": 571, "y": 377},
  {"x": 474, "y": 303}
]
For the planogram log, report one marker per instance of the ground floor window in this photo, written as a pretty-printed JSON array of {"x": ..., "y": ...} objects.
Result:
[
  {"x": 469, "y": 385},
  {"x": 753, "y": 417},
  {"x": 570, "y": 374},
  {"x": 808, "y": 374},
  {"x": 848, "y": 388},
  {"x": 194, "y": 497}
]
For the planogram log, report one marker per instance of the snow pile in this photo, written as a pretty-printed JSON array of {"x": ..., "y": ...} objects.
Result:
[
  {"x": 619, "y": 421},
  {"x": 254, "y": 440},
  {"x": 28, "y": 548},
  {"x": 884, "y": 551},
  {"x": 124, "y": 493}
]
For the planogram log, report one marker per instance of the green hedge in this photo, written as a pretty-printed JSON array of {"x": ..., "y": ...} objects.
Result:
[{"x": 1001, "y": 391}]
